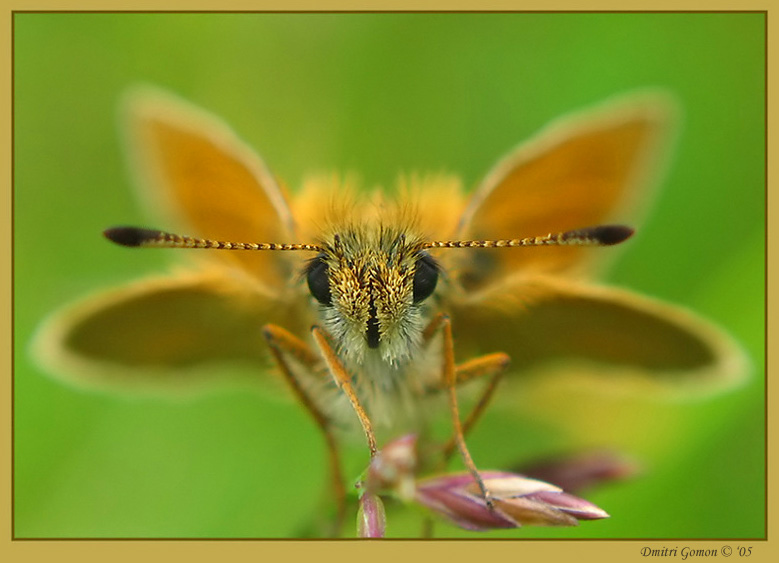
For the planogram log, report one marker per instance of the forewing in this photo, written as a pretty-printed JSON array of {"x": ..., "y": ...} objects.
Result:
[
  {"x": 206, "y": 181},
  {"x": 584, "y": 170}
]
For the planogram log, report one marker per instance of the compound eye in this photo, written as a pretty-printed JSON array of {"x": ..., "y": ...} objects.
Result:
[
  {"x": 318, "y": 279},
  {"x": 425, "y": 277}
]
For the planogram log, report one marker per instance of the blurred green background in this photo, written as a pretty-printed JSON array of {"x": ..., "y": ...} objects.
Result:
[{"x": 377, "y": 94}]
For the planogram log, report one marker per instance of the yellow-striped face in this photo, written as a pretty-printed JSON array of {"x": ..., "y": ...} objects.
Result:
[{"x": 371, "y": 282}]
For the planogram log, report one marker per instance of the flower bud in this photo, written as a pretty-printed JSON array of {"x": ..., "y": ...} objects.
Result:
[
  {"x": 371, "y": 519},
  {"x": 518, "y": 501},
  {"x": 393, "y": 468}
]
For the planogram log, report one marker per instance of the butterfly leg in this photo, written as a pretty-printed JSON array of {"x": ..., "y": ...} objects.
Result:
[
  {"x": 282, "y": 344},
  {"x": 490, "y": 365},
  {"x": 344, "y": 382},
  {"x": 449, "y": 381}
]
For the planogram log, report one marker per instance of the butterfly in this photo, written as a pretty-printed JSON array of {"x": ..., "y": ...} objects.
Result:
[{"x": 376, "y": 308}]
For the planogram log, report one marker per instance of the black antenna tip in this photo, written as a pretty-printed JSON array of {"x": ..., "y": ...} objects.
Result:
[
  {"x": 130, "y": 236},
  {"x": 612, "y": 234}
]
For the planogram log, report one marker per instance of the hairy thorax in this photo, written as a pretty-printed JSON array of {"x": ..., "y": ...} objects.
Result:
[{"x": 374, "y": 287}]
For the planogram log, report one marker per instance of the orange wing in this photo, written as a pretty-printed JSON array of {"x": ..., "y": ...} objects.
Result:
[
  {"x": 581, "y": 171},
  {"x": 197, "y": 174},
  {"x": 170, "y": 334},
  {"x": 167, "y": 332},
  {"x": 535, "y": 303},
  {"x": 608, "y": 337}
]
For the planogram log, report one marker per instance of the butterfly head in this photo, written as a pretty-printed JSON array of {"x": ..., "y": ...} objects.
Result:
[{"x": 372, "y": 287}]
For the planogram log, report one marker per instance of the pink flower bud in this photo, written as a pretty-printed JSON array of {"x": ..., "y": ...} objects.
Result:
[
  {"x": 518, "y": 501},
  {"x": 371, "y": 519},
  {"x": 393, "y": 468}
]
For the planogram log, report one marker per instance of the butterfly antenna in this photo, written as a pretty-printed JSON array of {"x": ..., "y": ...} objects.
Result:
[
  {"x": 603, "y": 235},
  {"x": 137, "y": 237}
]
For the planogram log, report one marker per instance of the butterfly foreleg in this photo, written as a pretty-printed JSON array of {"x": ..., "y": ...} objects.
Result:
[{"x": 344, "y": 382}]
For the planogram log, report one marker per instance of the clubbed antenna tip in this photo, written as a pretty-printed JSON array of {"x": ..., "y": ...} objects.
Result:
[
  {"x": 608, "y": 234},
  {"x": 130, "y": 236}
]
